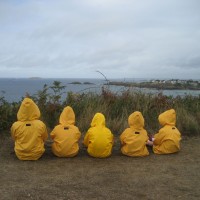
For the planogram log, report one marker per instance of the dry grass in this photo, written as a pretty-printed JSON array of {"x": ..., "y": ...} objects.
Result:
[
  {"x": 173, "y": 176},
  {"x": 115, "y": 106}
]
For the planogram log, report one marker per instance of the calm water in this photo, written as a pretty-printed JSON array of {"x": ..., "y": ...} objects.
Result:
[{"x": 15, "y": 89}]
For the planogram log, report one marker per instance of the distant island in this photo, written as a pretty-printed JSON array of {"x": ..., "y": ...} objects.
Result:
[
  {"x": 78, "y": 83},
  {"x": 173, "y": 84},
  {"x": 88, "y": 83}
]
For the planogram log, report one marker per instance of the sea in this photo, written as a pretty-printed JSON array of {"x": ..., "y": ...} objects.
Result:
[{"x": 15, "y": 89}]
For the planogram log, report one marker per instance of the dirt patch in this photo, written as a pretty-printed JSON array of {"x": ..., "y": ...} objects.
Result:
[{"x": 117, "y": 177}]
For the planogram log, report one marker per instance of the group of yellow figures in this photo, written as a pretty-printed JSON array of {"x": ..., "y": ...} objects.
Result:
[{"x": 30, "y": 134}]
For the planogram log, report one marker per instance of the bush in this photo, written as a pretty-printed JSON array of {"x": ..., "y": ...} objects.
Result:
[{"x": 115, "y": 107}]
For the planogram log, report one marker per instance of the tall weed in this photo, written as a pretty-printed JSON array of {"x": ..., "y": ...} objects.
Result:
[{"x": 115, "y": 106}]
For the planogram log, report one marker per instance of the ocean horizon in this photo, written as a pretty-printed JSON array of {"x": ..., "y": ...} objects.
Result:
[{"x": 14, "y": 89}]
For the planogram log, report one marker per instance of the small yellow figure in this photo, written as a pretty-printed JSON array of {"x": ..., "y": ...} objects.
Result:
[
  {"x": 134, "y": 139},
  {"x": 98, "y": 139},
  {"x": 167, "y": 140},
  {"x": 66, "y": 135},
  {"x": 29, "y": 133}
]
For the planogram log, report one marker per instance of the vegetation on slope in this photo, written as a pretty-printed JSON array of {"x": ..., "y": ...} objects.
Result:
[{"x": 115, "y": 107}]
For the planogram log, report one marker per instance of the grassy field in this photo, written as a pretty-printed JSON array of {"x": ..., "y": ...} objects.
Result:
[
  {"x": 154, "y": 177},
  {"x": 115, "y": 106},
  {"x": 167, "y": 177}
]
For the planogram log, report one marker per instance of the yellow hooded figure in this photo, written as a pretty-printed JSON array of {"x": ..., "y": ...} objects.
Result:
[
  {"x": 167, "y": 140},
  {"x": 98, "y": 138},
  {"x": 66, "y": 135},
  {"x": 29, "y": 133},
  {"x": 134, "y": 139}
]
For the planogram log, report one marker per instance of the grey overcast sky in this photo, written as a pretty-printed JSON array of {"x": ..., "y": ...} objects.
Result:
[{"x": 120, "y": 38}]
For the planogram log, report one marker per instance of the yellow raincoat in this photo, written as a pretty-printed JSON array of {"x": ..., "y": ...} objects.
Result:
[
  {"x": 134, "y": 139},
  {"x": 29, "y": 133},
  {"x": 98, "y": 138},
  {"x": 66, "y": 135},
  {"x": 167, "y": 140}
]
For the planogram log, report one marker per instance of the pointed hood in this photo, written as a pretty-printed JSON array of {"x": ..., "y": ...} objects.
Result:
[
  {"x": 67, "y": 116},
  {"x": 98, "y": 120},
  {"x": 28, "y": 110},
  {"x": 136, "y": 120},
  {"x": 167, "y": 118}
]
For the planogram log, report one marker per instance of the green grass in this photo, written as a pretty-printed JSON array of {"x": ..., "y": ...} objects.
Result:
[{"x": 115, "y": 107}]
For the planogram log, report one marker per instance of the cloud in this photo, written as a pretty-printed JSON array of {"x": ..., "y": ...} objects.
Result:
[{"x": 120, "y": 38}]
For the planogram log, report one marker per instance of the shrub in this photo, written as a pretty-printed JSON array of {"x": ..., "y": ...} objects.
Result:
[{"x": 115, "y": 106}]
